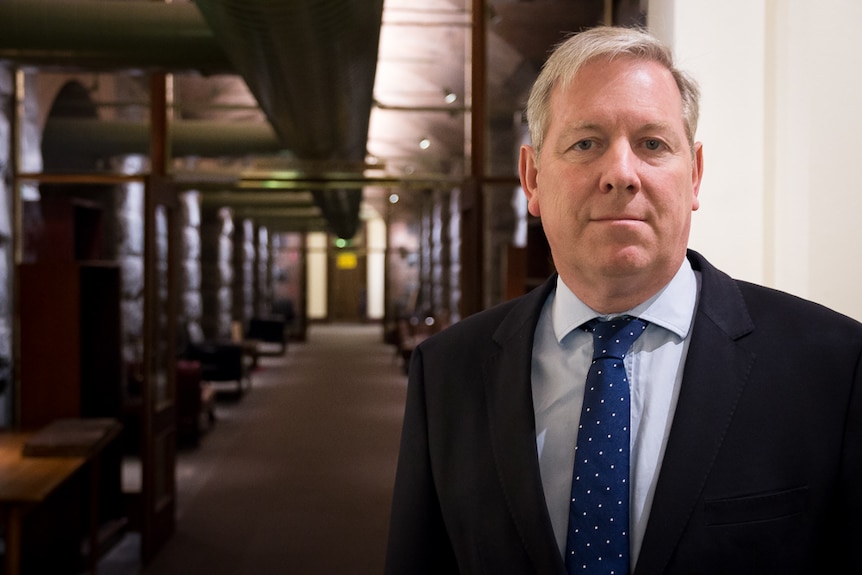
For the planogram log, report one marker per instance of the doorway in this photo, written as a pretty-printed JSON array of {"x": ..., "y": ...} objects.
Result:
[{"x": 347, "y": 290}]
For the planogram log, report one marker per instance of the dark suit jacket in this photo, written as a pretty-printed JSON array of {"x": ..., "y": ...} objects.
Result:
[{"x": 763, "y": 467}]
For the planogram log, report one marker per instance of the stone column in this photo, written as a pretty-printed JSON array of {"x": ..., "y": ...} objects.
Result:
[
  {"x": 216, "y": 233},
  {"x": 243, "y": 277},
  {"x": 263, "y": 273},
  {"x": 190, "y": 301},
  {"x": 6, "y": 255}
]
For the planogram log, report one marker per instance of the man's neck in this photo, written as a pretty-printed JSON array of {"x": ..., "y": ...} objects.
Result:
[{"x": 617, "y": 294}]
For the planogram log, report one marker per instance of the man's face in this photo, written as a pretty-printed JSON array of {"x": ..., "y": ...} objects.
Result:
[{"x": 615, "y": 182}]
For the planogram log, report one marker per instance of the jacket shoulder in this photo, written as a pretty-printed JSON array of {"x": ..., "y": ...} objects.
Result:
[
  {"x": 739, "y": 307},
  {"x": 766, "y": 303},
  {"x": 516, "y": 317}
]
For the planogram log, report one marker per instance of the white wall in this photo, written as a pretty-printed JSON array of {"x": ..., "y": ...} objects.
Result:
[
  {"x": 818, "y": 150},
  {"x": 723, "y": 50},
  {"x": 376, "y": 258},
  {"x": 779, "y": 123},
  {"x": 316, "y": 266}
]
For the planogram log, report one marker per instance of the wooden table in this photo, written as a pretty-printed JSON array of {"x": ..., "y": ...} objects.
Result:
[
  {"x": 24, "y": 483},
  {"x": 34, "y": 465}
]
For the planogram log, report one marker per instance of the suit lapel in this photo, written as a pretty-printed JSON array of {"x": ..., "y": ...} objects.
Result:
[
  {"x": 715, "y": 374},
  {"x": 512, "y": 430}
]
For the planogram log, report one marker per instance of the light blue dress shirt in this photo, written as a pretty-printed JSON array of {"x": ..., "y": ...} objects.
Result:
[{"x": 561, "y": 358}]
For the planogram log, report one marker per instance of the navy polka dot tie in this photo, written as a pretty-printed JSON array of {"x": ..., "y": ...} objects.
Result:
[{"x": 598, "y": 535}]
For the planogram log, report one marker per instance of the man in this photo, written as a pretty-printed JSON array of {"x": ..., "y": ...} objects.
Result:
[{"x": 745, "y": 404}]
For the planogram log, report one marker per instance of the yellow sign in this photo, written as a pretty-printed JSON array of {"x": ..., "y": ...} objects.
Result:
[{"x": 346, "y": 261}]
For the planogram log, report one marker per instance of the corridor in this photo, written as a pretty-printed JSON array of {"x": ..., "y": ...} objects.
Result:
[{"x": 296, "y": 477}]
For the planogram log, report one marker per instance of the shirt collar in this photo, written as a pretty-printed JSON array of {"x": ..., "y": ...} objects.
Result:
[{"x": 671, "y": 308}]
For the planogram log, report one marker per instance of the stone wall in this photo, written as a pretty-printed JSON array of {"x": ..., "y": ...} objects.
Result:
[
  {"x": 6, "y": 256},
  {"x": 29, "y": 141},
  {"x": 439, "y": 254},
  {"x": 263, "y": 273},
  {"x": 216, "y": 232},
  {"x": 128, "y": 219},
  {"x": 206, "y": 253},
  {"x": 191, "y": 302},
  {"x": 243, "y": 279}
]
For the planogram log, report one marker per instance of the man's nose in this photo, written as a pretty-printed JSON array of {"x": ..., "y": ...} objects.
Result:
[{"x": 620, "y": 168}]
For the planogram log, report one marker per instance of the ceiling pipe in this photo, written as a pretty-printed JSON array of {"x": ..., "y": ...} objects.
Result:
[
  {"x": 104, "y": 138},
  {"x": 300, "y": 199},
  {"x": 309, "y": 63},
  {"x": 92, "y": 34},
  {"x": 311, "y": 66}
]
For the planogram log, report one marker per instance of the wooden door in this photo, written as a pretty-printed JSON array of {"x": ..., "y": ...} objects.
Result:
[
  {"x": 158, "y": 422},
  {"x": 348, "y": 299}
]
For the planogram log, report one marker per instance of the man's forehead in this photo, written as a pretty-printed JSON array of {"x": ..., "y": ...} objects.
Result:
[
  {"x": 566, "y": 79},
  {"x": 651, "y": 77}
]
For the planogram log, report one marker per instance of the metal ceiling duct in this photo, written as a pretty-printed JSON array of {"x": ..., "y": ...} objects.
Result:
[
  {"x": 103, "y": 138},
  {"x": 310, "y": 64},
  {"x": 97, "y": 34}
]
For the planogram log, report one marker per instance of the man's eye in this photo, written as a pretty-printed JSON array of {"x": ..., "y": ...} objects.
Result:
[
  {"x": 584, "y": 145},
  {"x": 652, "y": 144}
]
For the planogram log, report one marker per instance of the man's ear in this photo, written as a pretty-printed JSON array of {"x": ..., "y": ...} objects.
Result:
[
  {"x": 528, "y": 171},
  {"x": 696, "y": 175}
]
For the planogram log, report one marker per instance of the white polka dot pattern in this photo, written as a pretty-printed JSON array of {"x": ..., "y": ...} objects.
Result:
[{"x": 597, "y": 540}]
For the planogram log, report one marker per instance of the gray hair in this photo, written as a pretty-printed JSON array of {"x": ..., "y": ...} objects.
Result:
[{"x": 605, "y": 42}]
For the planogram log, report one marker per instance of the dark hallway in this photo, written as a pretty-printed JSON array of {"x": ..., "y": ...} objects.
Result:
[{"x": 295, "y": 477}]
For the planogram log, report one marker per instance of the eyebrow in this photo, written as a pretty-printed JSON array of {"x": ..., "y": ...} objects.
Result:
[
  {"x": 662, "y": 127},
  {"x": 580, "y": 126},
  {"x": 648, "y": 127}
]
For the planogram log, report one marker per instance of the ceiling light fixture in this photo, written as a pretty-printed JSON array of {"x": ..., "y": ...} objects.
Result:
[{"x": 424, "y": 143}]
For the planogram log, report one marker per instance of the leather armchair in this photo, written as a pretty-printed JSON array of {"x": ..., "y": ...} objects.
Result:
[
  {"x": 221, "y": 361},
  {"x": 270, "y": 332}
]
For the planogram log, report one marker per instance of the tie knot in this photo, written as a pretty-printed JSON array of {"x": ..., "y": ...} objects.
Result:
[{"x": 614, "y": 337}]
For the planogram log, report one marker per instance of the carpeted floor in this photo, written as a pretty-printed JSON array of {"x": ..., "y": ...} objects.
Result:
[{"x": 296, "y": 477}]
